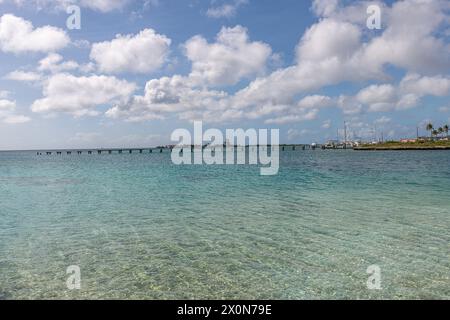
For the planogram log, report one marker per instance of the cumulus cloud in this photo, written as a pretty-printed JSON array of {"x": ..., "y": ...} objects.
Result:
[
  {"x": 54, "y": 63},
  {"x": 337, "y": 49},
  {"x": 142, "y": 53},
  {"x": 103, "y": 5},
  {"x": 19, "y": 36},
  {"x": 226, "y": 10},
  {"x": 315, "y": 101},
  {"x": 228, "y": 60},
  {"x": 81, "y": 96},
  {"x": 301, "y": 116},
  {"x": 378, "y": 97},
  {"x": 7, "y": 105},
  {"x": 426, "y": 85},
  {"x": 332, "y": 51},
  {"x": 383, "y": 120},
  {"x": 306, "y": 109},
  {"x": 24, "y": 76},
  {"x": 387, "y": 97},
  {"x": 168, "y": 94},
  {"x": 8, "y": 115},
  {"x": 97, "y": 5}
]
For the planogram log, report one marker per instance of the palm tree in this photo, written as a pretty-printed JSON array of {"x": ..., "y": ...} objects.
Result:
[
  {"x": 434, "y": 133},
  {"x": 430, "y": 128},
  {"x": 440, "y": 131},
  {"x": 446, "y": 130}
]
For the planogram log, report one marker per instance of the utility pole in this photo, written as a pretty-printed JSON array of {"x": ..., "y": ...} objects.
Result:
[{"x": 417, "y": 132}]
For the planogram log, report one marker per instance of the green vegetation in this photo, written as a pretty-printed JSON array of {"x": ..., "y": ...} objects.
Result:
[
  {"x": 438, "y": 140},
  {"x": 437, "y": 132},
  {"x": 396, "y": 145}
]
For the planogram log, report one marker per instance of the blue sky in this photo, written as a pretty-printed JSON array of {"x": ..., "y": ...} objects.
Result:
[{"x": 137, "y": 70}]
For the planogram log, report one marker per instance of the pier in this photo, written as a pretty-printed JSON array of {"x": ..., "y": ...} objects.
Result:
[{"x": 102, "y": 151}]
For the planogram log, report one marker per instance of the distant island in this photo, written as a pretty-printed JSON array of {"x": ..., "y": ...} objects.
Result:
[
  {"x": 438, "y": 140},
  {"x": 410, "y": 145}
]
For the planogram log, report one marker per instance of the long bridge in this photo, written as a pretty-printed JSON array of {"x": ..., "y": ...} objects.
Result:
[{"x": 282, "y": 147}]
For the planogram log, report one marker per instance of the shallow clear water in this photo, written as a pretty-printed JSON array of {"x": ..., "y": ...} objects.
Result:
[{"x": 140, "y": 227}]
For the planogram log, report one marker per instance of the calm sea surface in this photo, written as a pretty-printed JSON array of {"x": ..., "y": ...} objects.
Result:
[{"x": 140, "y": 227}]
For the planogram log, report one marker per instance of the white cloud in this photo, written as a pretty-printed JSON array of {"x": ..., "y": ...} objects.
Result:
[
  {"x": 8, "y": 115},
  {"x": 104, "y": 5},
  {"x": 142, "y": 53},
  {"x": 307, "y": 109},
  {"x": 226, "y": 10},
  {"x": 349, "y": 105},
  {"x": 377, "y": 94},
  {"x": 325, "y": 7},
  {"x": 337, "y": 49},
  {"x": 332, "y": 51},
  {"x": 422, "y": 86},
  {"x": 326, "y": 124},
  {"x": 23, "y": 76},
  {"x": 302, "y": 116},
  {"x": 387, "y": 97},
  {"x": 168, "y": 94},
  {"x": 409, "y": 40},
  {"x": 80, "y": 96},
  {"x": 322, "y": 60},
  {"x": 55, "y": 64},
  {"x": 19, "y": 36},
  {"x": 329, "y": 39},
  {"x": 98, "y": 5},
  {"x": 231, "y": 58},
  {"x": 315, "y": 101},
  {"x": 7, "y": 105},
  {"x": 383, "y": 120},
  {"x": 4, "y": 94},
  {"x": 16, "y": 119}
]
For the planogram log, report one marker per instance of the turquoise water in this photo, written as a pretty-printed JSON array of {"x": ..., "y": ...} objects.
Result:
[{"x": 140, "y": 227}]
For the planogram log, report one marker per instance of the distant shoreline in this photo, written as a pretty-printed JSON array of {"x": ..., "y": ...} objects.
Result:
[{"x": 400, "y": 148}]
